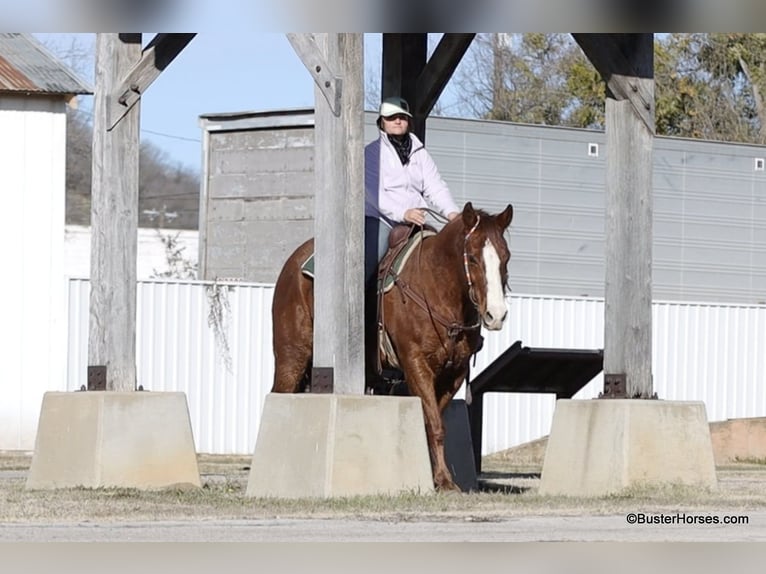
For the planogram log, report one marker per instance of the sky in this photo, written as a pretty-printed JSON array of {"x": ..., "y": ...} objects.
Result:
[{"x": 217, "y": 72}]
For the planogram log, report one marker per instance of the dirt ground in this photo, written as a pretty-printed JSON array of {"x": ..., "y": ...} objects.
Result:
[{"x": 507, "y": 495}]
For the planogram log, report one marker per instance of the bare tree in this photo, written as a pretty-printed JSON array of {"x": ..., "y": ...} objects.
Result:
[
  {"x": 168, "y": 191},
  {"x": 529, "y": 78},
  {"x": 373, "y": 72}
]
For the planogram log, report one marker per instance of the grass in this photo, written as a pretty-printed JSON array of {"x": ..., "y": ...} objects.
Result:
[
  {"x": 508, "y": 490},
  {"x": 756, "y": 461}
]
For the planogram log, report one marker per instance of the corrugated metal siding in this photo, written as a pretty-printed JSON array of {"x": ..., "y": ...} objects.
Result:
[
  {"x": 12, "y": 79},
  {"x": 711, "y": 353},
  {"x": 700, "y": 352},
  {"x": 177, "y": 350},
  {"x": 537, "y": 321},
  {"x": 32, "y": 344},
  {"x": 709, "y": 222}
]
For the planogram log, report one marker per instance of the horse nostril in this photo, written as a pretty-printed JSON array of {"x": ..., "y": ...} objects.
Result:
[{"x": 504, "y": 316}]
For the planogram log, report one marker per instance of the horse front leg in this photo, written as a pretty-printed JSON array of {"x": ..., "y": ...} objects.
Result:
[
  {"x": 447, "y": 394},
  {"x": 420, "y": 381}
]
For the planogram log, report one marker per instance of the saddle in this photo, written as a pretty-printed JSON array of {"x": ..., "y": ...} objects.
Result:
[{"x": 402, "y": 243}]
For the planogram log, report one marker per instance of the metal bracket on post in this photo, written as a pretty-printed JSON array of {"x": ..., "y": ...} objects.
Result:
[
  {"x": 326, "y": 80},
  {"x": 615, "y": 386},
  {"x": 322, "y": 380},
  {"x": 97, "y": 378}
]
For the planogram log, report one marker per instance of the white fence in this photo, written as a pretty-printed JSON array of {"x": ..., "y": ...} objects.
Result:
[{"x": 708, "y": 352}]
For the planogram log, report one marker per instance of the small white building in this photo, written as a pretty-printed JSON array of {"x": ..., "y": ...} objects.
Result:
[{"x": 35, "y": 89}]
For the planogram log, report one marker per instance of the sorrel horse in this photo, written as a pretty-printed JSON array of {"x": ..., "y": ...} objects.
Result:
[{"x": 452, "y": 285}]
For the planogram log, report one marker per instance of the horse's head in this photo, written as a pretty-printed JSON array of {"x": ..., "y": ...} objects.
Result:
[{"x": 485, "y": 257}]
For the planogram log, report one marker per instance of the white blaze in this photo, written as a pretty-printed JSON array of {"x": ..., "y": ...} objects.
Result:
[{"x": 496, "y": 309}]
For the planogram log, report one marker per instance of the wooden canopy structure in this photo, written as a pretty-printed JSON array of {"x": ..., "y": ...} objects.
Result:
[{"x": 125, "y": 71}]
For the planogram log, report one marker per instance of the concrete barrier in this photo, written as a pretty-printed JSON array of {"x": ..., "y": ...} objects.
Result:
[
  {"x": 327, "y": 445},
  {"x": 113, "y": 439},
  {"x": 599, "y": 447}
]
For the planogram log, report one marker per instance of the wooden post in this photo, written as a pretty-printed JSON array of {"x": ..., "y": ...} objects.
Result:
[
  {"x": 626, "y": 62},
  {"x": 336, "y": 62},
  {"x": 114, "y": 219},
  {"x": 628, "y": 290}
]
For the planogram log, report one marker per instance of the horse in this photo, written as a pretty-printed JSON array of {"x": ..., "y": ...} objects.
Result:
[{"x": 453, "y": 284}]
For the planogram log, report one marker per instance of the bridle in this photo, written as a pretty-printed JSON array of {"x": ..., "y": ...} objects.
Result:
[
  {"x": 468, "y": 279},
  {"x": 454, "y": 328}
]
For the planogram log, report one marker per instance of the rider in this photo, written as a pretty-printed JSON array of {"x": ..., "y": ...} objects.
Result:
[{"x": 400, "y": 180}]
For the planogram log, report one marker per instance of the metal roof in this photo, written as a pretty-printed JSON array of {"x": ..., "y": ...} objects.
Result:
[{"x": 27, "y": 66}]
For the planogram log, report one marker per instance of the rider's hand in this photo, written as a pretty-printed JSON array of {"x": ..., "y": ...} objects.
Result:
[{"x": 416, "y": 216}]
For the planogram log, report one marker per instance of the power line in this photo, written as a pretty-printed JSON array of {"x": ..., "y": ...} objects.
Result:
[
  {"x": 89, "y": 113},
  {"x": 185, "y": 195},
  {"x": 172, "y": 136}
]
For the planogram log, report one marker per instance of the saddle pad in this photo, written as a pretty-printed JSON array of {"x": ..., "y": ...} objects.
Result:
[
  {"x": 308, "y": 266},
  {"x": 385, "y": 283}
]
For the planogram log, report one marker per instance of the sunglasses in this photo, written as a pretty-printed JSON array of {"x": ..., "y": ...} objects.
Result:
[{"x": 395, "y": 117}]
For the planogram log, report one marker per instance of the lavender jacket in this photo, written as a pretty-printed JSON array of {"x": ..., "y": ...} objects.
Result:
[{"x": 392, "y": 188}]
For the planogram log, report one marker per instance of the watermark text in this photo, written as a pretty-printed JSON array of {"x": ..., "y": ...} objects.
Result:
[{"x": 685, "y": 518}]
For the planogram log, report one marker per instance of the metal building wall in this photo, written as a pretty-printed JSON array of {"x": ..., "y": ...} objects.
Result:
[
  {"x": 554, "y": 178},
  {"x": 713, "y": 353},
  {"x": 709, "y": 205},
  {"x": 33, "y": 290},
  {"x": 709, "y": 235}
]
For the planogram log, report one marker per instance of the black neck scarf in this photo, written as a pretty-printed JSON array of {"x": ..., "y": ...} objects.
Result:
[{"x": 402, "y": 144}]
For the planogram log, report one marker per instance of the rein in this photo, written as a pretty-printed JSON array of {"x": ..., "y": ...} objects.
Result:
[
  {"x": 454, "y": 328},
  {"x": 468, "y": 279}
]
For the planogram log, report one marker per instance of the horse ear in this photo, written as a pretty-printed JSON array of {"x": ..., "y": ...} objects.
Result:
[
  {"x": 469, "y": 215},
  {"x": 504, "y": 218}
]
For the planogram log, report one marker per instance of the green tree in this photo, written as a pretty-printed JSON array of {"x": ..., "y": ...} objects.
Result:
[
  {"x": 531, "y": 78},
  {"x": 707, "y": 86}
]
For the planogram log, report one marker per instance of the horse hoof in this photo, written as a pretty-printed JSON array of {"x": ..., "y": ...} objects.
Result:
[{"x": 448, "y": 486}]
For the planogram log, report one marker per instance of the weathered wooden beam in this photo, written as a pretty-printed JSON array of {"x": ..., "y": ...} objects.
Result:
[
  {"x": 439, "y": 69},
  {"x": 626, "y": 63},
  {"x": 404, "y": 59},
  {"x": 325, "y": 78},
  {"x": 114, "y": 219},
  {"x": 628, "y": 249},
  {"x": 339, "y": 217},
  {"x": 154, "y": 59}
]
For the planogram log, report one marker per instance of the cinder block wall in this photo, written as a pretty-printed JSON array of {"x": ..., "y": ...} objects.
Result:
[{"x": 256, "y": 207}]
